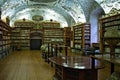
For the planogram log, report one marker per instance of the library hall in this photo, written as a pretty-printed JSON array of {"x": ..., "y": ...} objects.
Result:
[{"x": 59, "y": 39}]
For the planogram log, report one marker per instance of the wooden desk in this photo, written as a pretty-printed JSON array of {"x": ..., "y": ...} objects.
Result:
[{"x": 76, "y": 68}]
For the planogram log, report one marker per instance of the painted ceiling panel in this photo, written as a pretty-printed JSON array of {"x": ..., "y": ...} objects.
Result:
[{"x": 68, "y": 11}]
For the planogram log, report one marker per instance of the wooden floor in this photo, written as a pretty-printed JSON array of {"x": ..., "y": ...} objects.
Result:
[
  {"x": 25, "y": 65},
  {"x": 29, "y": 65}
]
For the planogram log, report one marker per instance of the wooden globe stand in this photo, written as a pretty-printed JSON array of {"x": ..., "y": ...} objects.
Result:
[{"x": 112, "y": 41}]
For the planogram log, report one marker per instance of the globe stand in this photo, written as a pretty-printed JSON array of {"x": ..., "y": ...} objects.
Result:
[{"x": 112, "y": 41}]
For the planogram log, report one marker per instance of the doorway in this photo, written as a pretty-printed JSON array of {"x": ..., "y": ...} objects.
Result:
[
  {"x": 35, "y": 44},
  {"x": 35, "y": 41}
]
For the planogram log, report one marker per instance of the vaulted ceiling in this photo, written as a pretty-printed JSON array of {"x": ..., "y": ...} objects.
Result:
[{"x": 67, "y": 12}]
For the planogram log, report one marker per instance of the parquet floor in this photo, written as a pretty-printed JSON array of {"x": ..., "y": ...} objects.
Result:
[
  {"x": 25, "y": 65},
  {"x": 29, "y": 65}
]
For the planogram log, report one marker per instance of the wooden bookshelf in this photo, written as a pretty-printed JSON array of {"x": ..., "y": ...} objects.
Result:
[
  {"x": 21, "y": 34},
  {"x": 53, "y": 35},
  {"x": 108, "y": 23},
  {"x": 25, "y": 38},
  {"x": 15, "y": 38},
  {"x": 67, "y": 36},
  {"x": 21, "y": 38},
  {"x": 24, "y": 23},
  {"x": 81, "y": 35},
  {"x": 51, "y": 24},
  {"x": 5, "y": 41}
]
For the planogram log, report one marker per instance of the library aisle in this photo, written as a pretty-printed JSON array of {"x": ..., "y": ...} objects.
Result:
[{"x": 25, "y": 65}]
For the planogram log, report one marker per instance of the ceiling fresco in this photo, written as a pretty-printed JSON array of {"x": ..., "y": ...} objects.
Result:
[
  {"x": 67, "y": 12},
  {"x": 108, "y": 5}
]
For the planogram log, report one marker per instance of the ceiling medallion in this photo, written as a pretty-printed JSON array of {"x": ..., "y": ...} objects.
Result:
[{"x": 37, "y": 18}]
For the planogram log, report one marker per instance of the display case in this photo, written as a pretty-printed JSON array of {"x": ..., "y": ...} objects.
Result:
[{"x": 109, "y": 23}]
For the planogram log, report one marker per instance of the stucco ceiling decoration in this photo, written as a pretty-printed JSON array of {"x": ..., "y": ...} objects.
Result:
[
  {"x": 74, "y": 8},
  {"x": 46, "y": 12},
  {"x": 108, "y": 5},
  {"x": 113, "y": 11},
  {"x": 37, "y": 18},
  {"x": 71, "y": 11}
]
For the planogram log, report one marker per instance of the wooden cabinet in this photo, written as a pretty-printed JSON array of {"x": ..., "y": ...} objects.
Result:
[
  {"x": 81, "y": 35},
  {"x": 108, "y": 23},
  {"x": 5, "y": 42}
]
